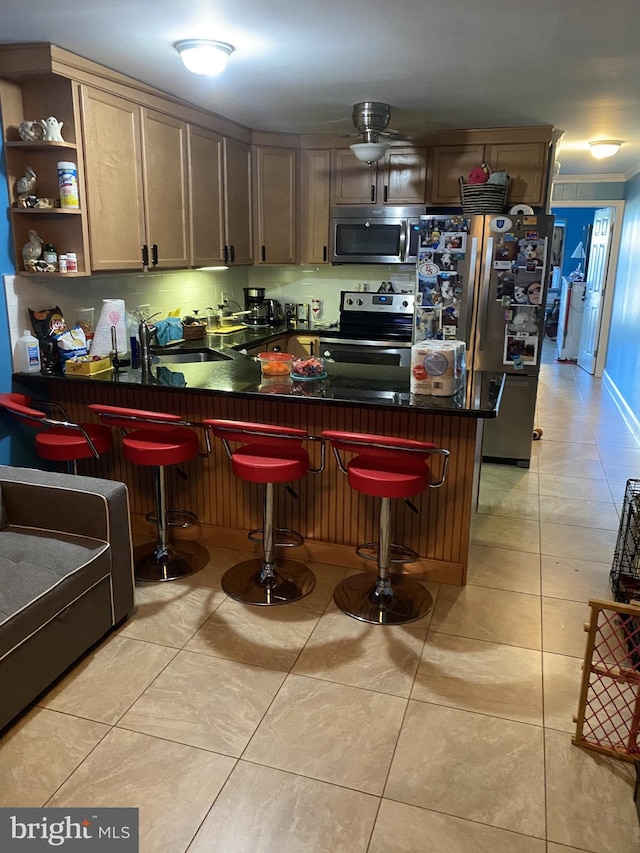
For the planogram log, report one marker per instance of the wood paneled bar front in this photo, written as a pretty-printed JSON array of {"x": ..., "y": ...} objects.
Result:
[{"x": 332, "y": 517}]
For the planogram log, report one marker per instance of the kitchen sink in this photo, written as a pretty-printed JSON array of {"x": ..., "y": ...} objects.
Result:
[{"x": 186, "y": 356}]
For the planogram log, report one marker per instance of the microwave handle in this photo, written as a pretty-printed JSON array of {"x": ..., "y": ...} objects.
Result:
[{"x": 405, "y": 242}]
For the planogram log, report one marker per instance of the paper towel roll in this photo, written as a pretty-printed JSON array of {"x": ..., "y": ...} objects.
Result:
[
  {"x": 437, "y": 367},
  {"x": 113, "y": 314}
]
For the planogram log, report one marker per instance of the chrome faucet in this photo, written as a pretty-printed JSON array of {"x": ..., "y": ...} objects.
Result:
[{"x": 146, "y": 331}]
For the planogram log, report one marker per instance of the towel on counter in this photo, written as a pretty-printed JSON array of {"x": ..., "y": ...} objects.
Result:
[
  {"x": 168, "y": 330},
  {"x": 169, "y": 377}
]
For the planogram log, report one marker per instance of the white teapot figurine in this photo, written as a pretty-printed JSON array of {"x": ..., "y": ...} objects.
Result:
[{"x": 52, "y": 129}]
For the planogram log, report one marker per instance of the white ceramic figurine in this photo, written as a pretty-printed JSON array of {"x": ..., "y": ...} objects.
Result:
[{"x": 52, "y": 129}]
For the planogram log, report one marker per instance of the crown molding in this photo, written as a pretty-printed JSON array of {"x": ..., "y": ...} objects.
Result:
[{"x": 615, "y": 177}]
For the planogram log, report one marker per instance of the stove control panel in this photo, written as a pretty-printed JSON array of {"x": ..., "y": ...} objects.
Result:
[{"x": 378, "y": 303}]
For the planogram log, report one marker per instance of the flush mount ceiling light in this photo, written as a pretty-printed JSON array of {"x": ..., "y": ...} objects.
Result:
[
  {"x": 369, "y": 152},
  {"x": 202, "y": 56},
  {"x": 602, "y": 148}
]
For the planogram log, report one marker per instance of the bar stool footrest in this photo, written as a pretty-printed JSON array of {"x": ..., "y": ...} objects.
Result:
[
  {"x": 283, "y": 537},
  {"x": 183, "y": 518},
  {"x": 288, "y": 581},
  {"x": 154, "y": 563},
  {"x": 399, "y": 553},
  {"x": 405, "y": 600}
]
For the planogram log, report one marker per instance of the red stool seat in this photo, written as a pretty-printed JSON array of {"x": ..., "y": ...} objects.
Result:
[
  {"x": 385, "y": 467},
  {"x": 57, "y": 440},
  {"x": 266, "y": 454},
  {"x": 155, "y": 440}
]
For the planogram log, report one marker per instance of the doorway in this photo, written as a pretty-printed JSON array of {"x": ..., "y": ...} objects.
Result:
[{"x": 578, "y": 215}]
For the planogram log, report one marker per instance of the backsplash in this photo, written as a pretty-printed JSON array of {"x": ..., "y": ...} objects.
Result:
[{"x": 194, "y": 289}]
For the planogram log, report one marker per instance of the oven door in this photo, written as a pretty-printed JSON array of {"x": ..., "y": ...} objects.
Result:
[{"x": 347, "y": 351}]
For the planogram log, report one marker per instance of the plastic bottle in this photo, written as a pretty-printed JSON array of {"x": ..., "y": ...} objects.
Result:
[
  {"x": 68, "y": 184},
  {"x": 28, "y": 353},
  {"x": 50, "y": 255},
  {"x": 62, "y": 263},
  {"x": 72, "y": 262}
]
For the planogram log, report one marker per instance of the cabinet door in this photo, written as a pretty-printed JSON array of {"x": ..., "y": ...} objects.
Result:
[
  {"x": 113, "y": 168},
  {"x": 165, "y": 189},
  {"x": 313, "y": 210},
  {"x": 404, "y": 176},
  {"x": 275, "y": 205},
  {"x": 448, "y": 163},
  {"x": 237, "y": 193},
  {"x": 206, "y": 198},
  {"x": 352, "y": 182},
  {"x": 302, "y": 346},
  {"x": 526, "y": 165}
]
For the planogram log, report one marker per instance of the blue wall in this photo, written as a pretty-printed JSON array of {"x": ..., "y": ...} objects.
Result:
[
  {"x": 6, "y": 267},
  {"x": 623, "y": 355},
  {"x": 577, "y": 219}
]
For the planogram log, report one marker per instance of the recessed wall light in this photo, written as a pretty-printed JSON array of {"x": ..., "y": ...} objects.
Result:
[
  {"x": 203, "y": 56},
  {"x": 601, "y": 148}
]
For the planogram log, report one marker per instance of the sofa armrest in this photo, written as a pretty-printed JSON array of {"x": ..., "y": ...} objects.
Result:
[{"x": 84, "y": 506}]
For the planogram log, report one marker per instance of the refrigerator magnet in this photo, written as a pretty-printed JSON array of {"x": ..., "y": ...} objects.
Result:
[{"x": 500, "y": 224}]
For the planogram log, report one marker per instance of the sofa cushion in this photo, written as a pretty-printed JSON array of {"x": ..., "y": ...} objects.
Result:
[{"x": 33, "y": 562}]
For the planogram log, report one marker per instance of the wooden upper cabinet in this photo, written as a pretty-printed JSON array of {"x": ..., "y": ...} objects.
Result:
[
  {"x": 206, "y": 197},
  {"x": 165, "y": 189},
  {"x": 447, "y": 164},
  {"x": 275, "y": 205},
  {"x": 136, "y": 171},
  {"x": 398, "y": 178},
  {"x": 113, "y": 167},
  {"x": 526, "y": 165},
  {"x": 238, "y": 202},
  {"x": 313, "y": 209},
  {"x": 524, "y": 162}
]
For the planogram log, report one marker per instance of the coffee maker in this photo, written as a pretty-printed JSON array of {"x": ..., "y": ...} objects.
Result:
[{"x": 255, "y": 304}]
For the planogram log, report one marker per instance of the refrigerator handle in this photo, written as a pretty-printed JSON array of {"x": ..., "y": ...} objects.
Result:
[{"x": 483, "y": 308}]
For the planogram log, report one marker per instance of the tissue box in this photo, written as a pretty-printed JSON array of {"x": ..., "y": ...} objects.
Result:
[
  {"x": 437, "y": 367},
  {"x": 87, "y": 368}
]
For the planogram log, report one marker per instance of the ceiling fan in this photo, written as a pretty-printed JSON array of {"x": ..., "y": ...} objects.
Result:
[{"x": 371, "y": 119}]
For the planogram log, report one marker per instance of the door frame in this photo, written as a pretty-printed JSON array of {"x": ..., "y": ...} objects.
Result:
[{"x": 607, "y": 305}]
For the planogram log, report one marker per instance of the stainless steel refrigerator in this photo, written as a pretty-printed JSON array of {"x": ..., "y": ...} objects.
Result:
[{"x": 483, "y": 280}]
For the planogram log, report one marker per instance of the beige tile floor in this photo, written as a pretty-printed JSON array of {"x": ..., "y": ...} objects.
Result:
[{"x": 300, "y": 730}]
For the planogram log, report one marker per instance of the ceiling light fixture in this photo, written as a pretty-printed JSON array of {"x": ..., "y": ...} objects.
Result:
[
  {"x": 602, "y": 148},
  {"x": 202, "y": 56},
  {"x": 369, "y": 152}
]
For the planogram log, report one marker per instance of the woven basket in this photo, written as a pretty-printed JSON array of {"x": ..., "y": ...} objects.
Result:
[
  {"x": 194, "y": 331},
  {"x": 482, "y": 198}
]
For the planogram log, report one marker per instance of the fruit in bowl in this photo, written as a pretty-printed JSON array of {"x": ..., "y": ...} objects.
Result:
[
  {"x": 309, "y": 367},
  {"x": 275, "y": 363}
]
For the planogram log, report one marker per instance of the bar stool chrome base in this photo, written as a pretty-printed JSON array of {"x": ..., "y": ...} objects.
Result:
[
  {"x": 258, "y": 582},
  {"x": 382, "y": 602},
  {"x": 154, "y": 563}
]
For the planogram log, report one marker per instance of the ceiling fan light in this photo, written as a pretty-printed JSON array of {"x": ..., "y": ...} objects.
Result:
[
  {"x": 369, "y": 152},
  {"x": 202, "y": 56},
  {"x": 601, "y": 148}
]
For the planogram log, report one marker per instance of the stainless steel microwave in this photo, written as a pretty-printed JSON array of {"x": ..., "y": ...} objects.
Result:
[{"x": 375, "y": 235}]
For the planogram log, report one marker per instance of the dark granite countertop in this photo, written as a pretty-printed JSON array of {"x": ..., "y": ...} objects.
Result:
[{"x": 235, "y": 374}]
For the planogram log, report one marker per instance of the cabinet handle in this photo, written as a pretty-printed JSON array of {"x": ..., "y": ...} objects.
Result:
[
  {"x": 233, "y": 253},
  {"x": 145, "y": 255},
  {"x": 386, "y": 193},
  {"x": 373, "y": 192},
  {"x": 324, "y": 254},
  {"x": 226, "y": 254},
  {"x": 263, "y": 252},
  {"x": 154, "y": 254},
  {"x": 311, "y": 352},
  {"x": 276, "y": 348}
]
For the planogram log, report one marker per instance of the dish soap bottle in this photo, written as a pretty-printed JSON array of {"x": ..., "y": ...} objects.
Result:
[{"x": 28, "y": 353}]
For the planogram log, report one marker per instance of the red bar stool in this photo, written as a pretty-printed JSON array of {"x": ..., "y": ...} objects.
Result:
[
  {"x": 157, "y": 439},
  {"x": 267, "y": 454},
  {"x": 58, "y": 440},
  {"x": 385, "y": 468}
]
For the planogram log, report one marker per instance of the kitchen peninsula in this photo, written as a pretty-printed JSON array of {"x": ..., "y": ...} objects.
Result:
[{"x": 332, "y": 517}]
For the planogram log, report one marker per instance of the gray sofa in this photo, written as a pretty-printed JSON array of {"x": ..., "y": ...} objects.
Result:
[{"x": 66, "y": 575}]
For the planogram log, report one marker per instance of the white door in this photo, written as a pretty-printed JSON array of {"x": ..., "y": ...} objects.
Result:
[{"x": 603, "y": 221}]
